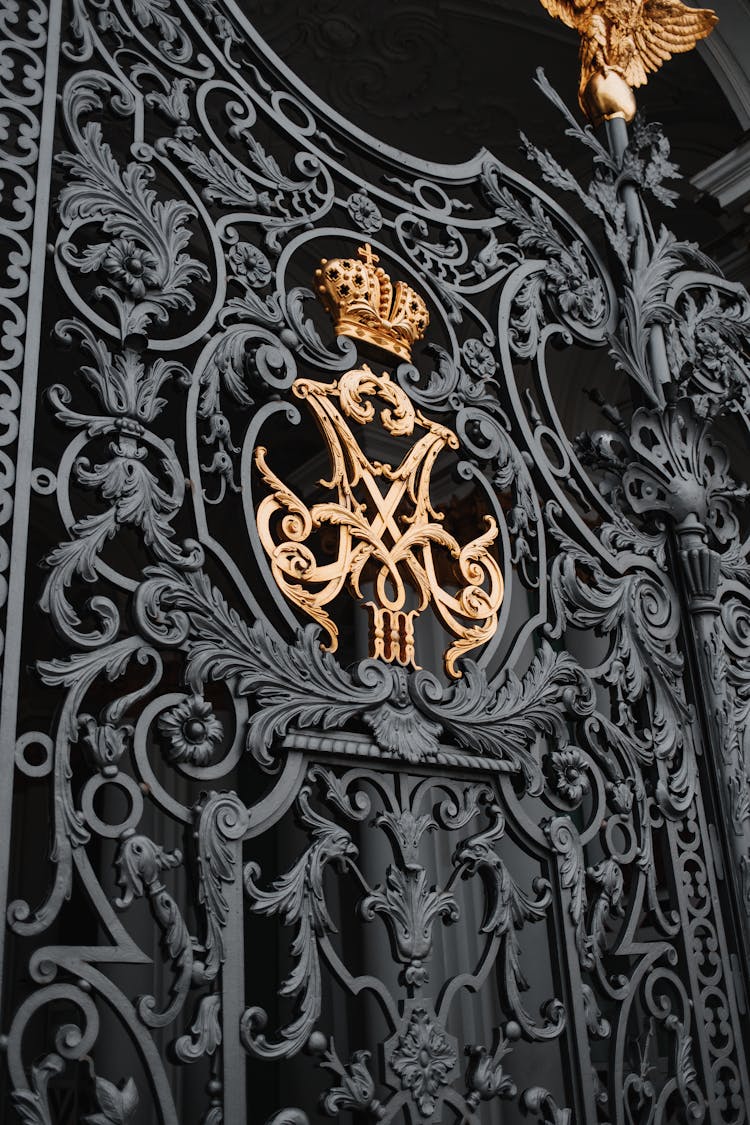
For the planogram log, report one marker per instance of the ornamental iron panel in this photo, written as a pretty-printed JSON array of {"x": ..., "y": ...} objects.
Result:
[{"x": 264, "y": 860}]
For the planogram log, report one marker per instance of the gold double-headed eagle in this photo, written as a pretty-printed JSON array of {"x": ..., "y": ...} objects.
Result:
[{"x": 622, "y": 42}]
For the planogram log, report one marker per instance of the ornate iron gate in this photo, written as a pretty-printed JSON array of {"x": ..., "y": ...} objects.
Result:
[{"x": 298, "y": 863}]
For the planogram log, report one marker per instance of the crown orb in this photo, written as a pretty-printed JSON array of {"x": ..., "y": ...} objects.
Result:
[{"x": 366, "y": 304}]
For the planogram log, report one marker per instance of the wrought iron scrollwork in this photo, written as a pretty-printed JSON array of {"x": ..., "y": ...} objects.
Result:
[{"x": 514, "y": 883}]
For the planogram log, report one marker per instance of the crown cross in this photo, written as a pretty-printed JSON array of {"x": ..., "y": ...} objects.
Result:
[
  {"x": 366, "y": 254},
  {"x": 366, "y": 305}
]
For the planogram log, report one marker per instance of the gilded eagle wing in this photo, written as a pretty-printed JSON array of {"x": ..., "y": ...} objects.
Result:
[
  {"x": 660, "y": 29},
  {"x": 587, "y": 18},
  {"x": 574, "y": 13}
]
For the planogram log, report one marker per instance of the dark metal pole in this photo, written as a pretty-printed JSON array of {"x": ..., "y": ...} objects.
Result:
[{"x": 699, "y": 571}]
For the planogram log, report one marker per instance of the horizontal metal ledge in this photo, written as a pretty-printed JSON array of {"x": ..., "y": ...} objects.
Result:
[{"x": 360, "y": 746}]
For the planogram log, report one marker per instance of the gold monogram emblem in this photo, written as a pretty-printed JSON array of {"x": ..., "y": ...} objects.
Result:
[{"x": 387, "y": 533}]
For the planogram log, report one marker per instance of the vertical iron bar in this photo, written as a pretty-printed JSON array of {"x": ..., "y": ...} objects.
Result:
[
  {"x": 581, "y": 1079},
  {"x": 699, "y": 571},
  {"x": 233, "y": 1000},
  {"x": 697, "y": 582},
  {"x": 617, "y": 134},
  {"x": 701, "y": 611},
  {"x": 24, "y": 459}
]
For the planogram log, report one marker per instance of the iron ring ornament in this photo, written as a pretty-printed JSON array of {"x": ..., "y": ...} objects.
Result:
[{"x": 538, "y": 834}]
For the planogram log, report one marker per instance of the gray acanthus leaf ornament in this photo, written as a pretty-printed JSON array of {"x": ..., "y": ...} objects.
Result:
[
  {"x": 538, "y": 1100},
  {"x": 304, "y": 337},
  {"x": 440, "y": 390},
  {"x": 600, "y": 198},
  {"x": 205, "y": 1031},
  {"x": 504, "y": 722},
  {"x": 598, "y": 1027},
  {"x": 356, "y": 1088},
  {"x": 32, "y": 1104},
  {"x": 81, "y": 669},
  {"x": 406, "y": 830},
  {"x": 401, "y": 729},
  {"x": 607, "y": 876},
  {"x": 221, "y": 821},
  {"x": 437, "y": 259},
  {"x": 645, "y": 162},
  {"x": 240, "y": 357},
  {"x": 104, "y": 743},
  {"x": 451, "y": 385},
  {"x": 173, "y": 102},
  {"x": 147, "y": 271},
  {"x": 485, "y": 1075},
  {"x": 140, "y": 864},
  {"x": 224, "y": 183},
  {"x": 155, "y": 15},
  {"x": 503, "y": 899},
  {"x": 410, "y": 908},
  {"x": 126, "y": 386},
  {"x": 619, "y": 534},
  {"x": 298, "y": 899},
  {"x": 284, "y": 314},
  {"x": 507, "y": 910},
  {"x": 645, "y": 304},
  {"x": 301, "y": 685},
  {"x": 78, "y": 673},
  {"x": 564, "y": 275},
  {"x": 564, "y": 839},
  {"x": 136, "y": 499},
  {"x": 681, "y": 470},
  {"x": 644, "y": 656},
  {"x": 277, "y": 202},
  {"x": 293, "y": 684},
  {"x": 735, "y": 563},
  {"x": 117, "y": 1105},
  {"x": 686, "y": 1075},
  {"x": 354, "y": 806},
  {"x": 484, "y": 430},
  {"x": 218, "y": 21},
  {"x": 709, "y": 342}
]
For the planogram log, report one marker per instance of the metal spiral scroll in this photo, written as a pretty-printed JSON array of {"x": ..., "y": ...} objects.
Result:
[{"x": 212, "y": 774}]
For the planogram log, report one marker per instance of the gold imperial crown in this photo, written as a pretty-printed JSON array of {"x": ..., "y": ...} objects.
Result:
[{"x": 363, "y": 303}]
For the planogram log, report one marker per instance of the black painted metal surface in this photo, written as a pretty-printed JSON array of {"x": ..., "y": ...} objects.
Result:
[{"x": 281, "y": 883}]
